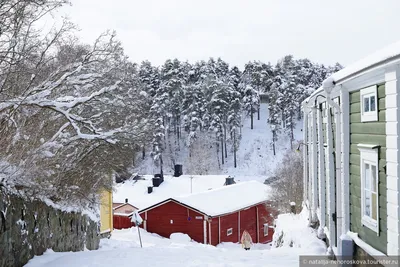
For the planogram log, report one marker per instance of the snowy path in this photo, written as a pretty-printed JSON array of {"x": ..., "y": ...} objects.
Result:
[
  {"x": 123, "y": 250},
  {"x": 255, "y": 156}
]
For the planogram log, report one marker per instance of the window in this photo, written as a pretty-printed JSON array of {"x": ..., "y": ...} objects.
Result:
[
  {"x": 369, "y": 104},
  {"x": 265, "y": 229},
  {"x": 369, "y": 186},
  {"x": 229, "y": 231}
]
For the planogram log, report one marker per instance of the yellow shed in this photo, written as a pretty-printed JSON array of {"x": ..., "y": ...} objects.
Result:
[{"x": 106, "y": 213}]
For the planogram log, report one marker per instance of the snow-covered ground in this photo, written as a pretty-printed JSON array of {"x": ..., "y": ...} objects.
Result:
[
  {"x": 123, "y": 249},
  {"x": 255, "y": 157}
]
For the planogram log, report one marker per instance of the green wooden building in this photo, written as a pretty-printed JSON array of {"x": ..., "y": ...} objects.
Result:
[{"x": 351, "y": 156}]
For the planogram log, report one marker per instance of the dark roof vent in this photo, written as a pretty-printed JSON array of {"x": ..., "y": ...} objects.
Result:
[
  {"x": 178, "y": 170},
  {"x": 157, "y": 180},
  {"x": 149, "y": 189},
  {"x": 229, "y": 180}
]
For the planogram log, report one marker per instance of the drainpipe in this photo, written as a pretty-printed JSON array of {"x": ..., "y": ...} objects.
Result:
[
  {"x": 305, "y": 153},
  {"x": 344, "y": 244},
  {"x": 314, "y": 166}
]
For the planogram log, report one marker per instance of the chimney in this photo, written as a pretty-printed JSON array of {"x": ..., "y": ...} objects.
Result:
[
  {"x": 149, "y": 189},
  {"x": 229, "y": 180},
  {"x": 178, "y": 170},
  {"x": 126, "y": 200},
  {"x": 157, "y": 180}
]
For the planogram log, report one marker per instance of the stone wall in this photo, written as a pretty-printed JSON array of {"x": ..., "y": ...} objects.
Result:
[{"x": 30, "y": 228}]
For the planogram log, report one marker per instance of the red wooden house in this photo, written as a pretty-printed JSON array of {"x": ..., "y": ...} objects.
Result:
[
  {"x": 121, "y": 212},
  {"x": 215, "y": 216}
]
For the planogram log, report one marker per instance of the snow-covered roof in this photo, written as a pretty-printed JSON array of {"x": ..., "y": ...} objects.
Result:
[
  {"x": 387, "y": 53},
  {"x": 225, "y": 199},
  {"x": 381, "y": 56},
  {"x": 136, "y": 191}
]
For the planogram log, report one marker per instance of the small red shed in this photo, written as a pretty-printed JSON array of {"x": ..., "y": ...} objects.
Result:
[
  {"x": 215, "y": 216},
  {"x": 121, "y": 214}
]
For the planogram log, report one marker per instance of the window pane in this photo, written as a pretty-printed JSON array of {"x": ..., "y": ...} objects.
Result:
[
  {"x": 372, "y": 103},
  {"x": 373, "y": 180},
  {"x": 366, "y": 104},
  {"x": 367, "y": 203},
  {"x": 374, "y": 207},
  {"x": 367, "y": 177}
]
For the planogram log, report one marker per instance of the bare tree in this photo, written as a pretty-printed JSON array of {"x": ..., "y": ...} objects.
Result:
[
  {"x": 202, "y": 156},
  {"x": 288, "y": 186}
]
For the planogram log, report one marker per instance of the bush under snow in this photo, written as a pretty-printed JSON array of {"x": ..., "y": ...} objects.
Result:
[
  {"x": 180, "y": 237},
  {"x": 292, "y": 230}
]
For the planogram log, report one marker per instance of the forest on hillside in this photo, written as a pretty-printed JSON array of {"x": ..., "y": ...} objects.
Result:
[
  {"x": 72, "y": 114},
  {"x": 202, "y": 105}
]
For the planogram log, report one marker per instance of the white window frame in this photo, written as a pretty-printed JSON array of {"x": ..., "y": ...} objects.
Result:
[
  {"x": 266, "y": 229},
  {"x": 369, "y": 115},
  {"x": 369, "y": 155},
  {"x": 229, "y": 231}
]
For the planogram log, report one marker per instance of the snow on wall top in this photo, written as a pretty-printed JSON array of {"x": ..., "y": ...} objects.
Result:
[
  {"x": 386, "y": 53},
  {"x": 228, "y": 198},
  {"x": 381, "y": 55},
  {"x": 136, "y": 191}
]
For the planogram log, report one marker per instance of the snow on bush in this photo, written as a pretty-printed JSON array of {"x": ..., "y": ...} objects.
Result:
[
  {"x": 180, "y": 237},
  {"x": 292, "y": 230}
]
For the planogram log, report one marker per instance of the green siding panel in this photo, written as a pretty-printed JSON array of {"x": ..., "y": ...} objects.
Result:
[
  {"x": 377, "y": 128},
  {"x": 368, "y": 133}
]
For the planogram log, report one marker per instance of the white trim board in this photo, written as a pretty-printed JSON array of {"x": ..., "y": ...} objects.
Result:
[{"x": 392, "y": 104}]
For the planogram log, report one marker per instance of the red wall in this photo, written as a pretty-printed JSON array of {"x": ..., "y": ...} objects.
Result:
[
  {"x": 265, "y": 217},
  {"x": 248, "y": 222},
  {"x": 214, "y": 232},
  {"x": 159, "y": 221},
  {"x": 229, "y": 221},
  {"x": 121, "y": 222}
]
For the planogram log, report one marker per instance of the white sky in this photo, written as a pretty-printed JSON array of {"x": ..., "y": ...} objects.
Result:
[{"x": 242, "y": 30}]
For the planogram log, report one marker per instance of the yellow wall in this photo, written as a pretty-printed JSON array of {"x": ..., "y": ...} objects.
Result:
[{"x": 106, "y": 214}]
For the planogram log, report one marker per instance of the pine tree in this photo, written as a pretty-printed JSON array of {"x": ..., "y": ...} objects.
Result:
[{"x": 251, "y": 100}]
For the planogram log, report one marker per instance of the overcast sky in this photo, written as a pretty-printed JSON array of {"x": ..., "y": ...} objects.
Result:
[{"x": 242, "y": 30}]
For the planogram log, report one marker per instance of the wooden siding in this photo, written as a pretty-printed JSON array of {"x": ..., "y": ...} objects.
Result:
[
  {"x": 106, "y": 213},
  {"x": 230, "y": 221},
  {"x": 159, "y": 221},
  {"x": 367, "y": 133},
  {"x": 214, "y": 232},
  {"x": 264, "y": 216},
  {"x": 122, "y": 222}
]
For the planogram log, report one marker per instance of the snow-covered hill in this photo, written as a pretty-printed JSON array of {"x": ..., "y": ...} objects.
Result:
[
  {"x": 255, "y": 157},
  {"x": 255, "y": 153}
]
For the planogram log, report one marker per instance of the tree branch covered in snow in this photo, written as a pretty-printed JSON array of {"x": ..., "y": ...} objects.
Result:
[{"x": 69, "y": 115}]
